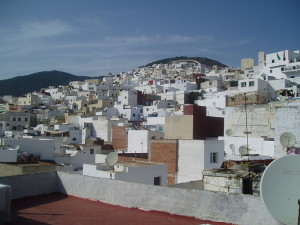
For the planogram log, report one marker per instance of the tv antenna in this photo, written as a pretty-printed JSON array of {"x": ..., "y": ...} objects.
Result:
[
  {"x": 287, "y": 139},
  {"x": 279, "y": 188},
  {"x": 111, "y": 159},
  {"x": 232, "y": 147}
]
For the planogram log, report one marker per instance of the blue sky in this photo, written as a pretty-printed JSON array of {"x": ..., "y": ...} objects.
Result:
[{"x": 94, "y": 38}]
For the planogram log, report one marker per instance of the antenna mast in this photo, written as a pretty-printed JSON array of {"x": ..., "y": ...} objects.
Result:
[{"x": 247, "y": 134}]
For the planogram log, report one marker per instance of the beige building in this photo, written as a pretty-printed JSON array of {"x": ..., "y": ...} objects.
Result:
[
  {"x": 28, "y": 99},
  {"x": 179, "y": 127},
  {"x": 247, "y": 63}
]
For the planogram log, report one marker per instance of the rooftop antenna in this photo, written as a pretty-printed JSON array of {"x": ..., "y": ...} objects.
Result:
[
  {"x": 111, "y": 159},
  {"x": 232, "y": 147},
  {"x": 279, "y": 188},
  {"x": 247, "y": 146}
]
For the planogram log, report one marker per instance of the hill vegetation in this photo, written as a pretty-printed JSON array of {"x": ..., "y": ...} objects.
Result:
[
  {"x": 21, "y": 85},
  {"x": 202, "y": 60}
]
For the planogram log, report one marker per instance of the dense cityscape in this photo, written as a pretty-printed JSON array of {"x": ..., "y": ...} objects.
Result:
[{"x": 181, "y": 124}]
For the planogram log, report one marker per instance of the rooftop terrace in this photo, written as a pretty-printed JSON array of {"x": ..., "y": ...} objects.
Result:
[
  {"x": 60, "y": 209},
  {"x": 106, "y": 201}
]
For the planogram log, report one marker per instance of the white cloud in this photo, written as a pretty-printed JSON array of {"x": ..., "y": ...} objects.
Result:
[{"x": 38, "y": 29}]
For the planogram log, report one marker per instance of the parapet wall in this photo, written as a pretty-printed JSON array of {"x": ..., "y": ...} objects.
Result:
[
  {"x": 215, "y": 206},
  {"x": 31, "y": 184}
]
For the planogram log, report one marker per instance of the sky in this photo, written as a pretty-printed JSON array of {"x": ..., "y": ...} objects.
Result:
[{"x": 95, "y": 37}]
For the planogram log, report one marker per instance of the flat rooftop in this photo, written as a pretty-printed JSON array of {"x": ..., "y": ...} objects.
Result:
[{"x": 60, "y": 209}]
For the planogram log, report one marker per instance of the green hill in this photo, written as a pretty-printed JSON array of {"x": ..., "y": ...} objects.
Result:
[
  {"x": 21, "y": 85},
  {"x": 202, "y": 60}
]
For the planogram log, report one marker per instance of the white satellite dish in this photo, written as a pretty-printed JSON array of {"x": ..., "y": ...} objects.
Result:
[
  {"x": 279, "y": 188},
  {"x": 287, "y": 139},
  {"x": 229, "y": 132},
  {"x": 111, "y": 159},
  {"x": 243, "y": 150},
  {"x": 17, "y": 147}
]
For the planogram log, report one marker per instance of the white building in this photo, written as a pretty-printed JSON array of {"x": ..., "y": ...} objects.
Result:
[
  {"x": 194, "y": 156},
  {"x": 127, "y": 98},
  {"x": 43, "y": 147},
  {"x": 139, "y": 140},
  {"x": 56, "y": 93},
  {"x": 215, "y": 103},
  {"x": 133, "y": 171},
  {"x": 283, "y": 65},
  {"x": 77, "y": 155}
]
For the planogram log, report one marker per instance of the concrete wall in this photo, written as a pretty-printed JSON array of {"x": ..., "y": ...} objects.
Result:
[
  {"x": 31, "y": 184},
  {"x": 256, "y": 146},
  {"x": 287, "y": 120},
  {"x": 231, "y": 208},
  {"x": 179, "y": 127},
  {"x": 260, "y": 120},
  {"x": 190, "y": 160},
  {"x": 145, "y": 174},
  {"x": 5, "y": 198},
  {"x": 8, "y": 155}
]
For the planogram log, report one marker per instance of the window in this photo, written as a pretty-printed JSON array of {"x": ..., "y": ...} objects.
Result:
[
  {"x": 19, "y": 119},
  {"x": 273, "y": 60},
  {"x": 213, "y": 157},
  {"x": 133, "y": 114},
  {"x": 91, "y": 151},
  {"x": 251, "y": 83},
  {"x": 26, "y": 119},
  {"x": 14, "y": 119},
  {"x": 243, "y": 84},
  {"x": 157, "y": 181},
  {"x": 271, "y": 71},
  {"x": 74, "y": 139},
  {"x": 282, "y": 69}
]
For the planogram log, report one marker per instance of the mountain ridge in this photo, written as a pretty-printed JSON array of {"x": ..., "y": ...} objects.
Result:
[{"x": 20, "y": 85}]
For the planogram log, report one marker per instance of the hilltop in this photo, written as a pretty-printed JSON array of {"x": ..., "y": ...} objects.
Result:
[
  {"x": 202, "y": 60},
  {"x": 21, "y": 85}
]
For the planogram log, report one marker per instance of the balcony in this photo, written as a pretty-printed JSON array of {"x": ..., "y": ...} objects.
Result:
[{"x": 291, "y": 69}]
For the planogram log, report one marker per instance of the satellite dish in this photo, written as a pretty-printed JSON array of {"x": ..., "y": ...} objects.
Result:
[
  {"x": 17, "y": 147},
  {"x": 64, "y": 139},
  {"x": 287, "y": 139},
  {"x": 279, "y": 188},
  {"x": 243, "y": 150},
  {"x": 229, "y": 132},
  {"x": 111, "y": 159}
]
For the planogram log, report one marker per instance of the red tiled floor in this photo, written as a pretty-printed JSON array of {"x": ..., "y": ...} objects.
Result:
[{"x": 61, "y": 209}]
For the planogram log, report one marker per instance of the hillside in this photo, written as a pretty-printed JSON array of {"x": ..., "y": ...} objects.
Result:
[
  {"x": 21, "y": 85},
  {"x": 202, "y": 60}
]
